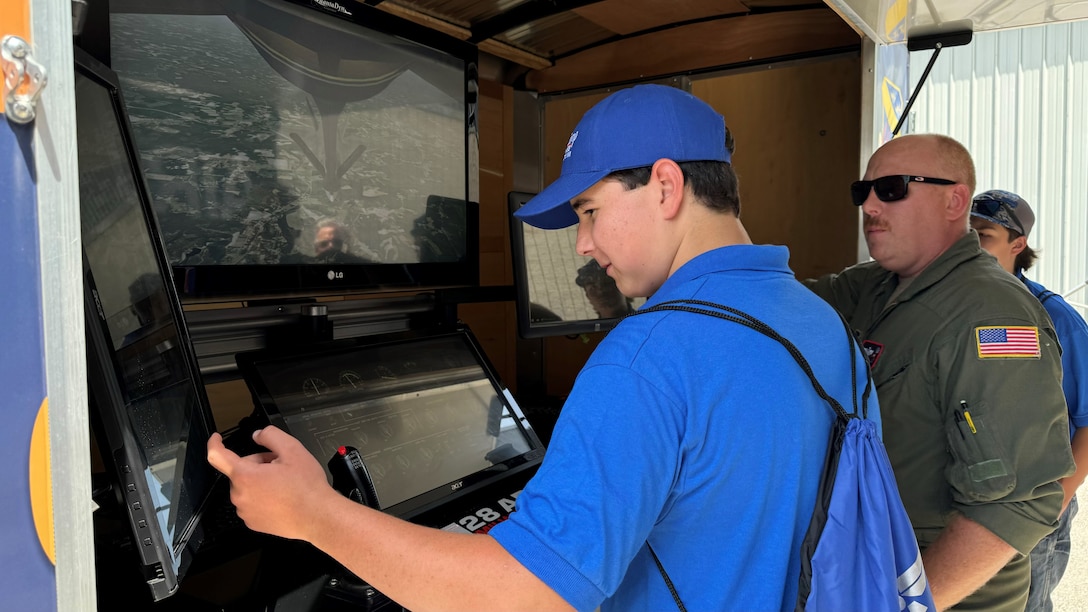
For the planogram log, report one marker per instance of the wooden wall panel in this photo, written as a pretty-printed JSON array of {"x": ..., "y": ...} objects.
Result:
[
  {"x": 495, "y": 115},
  {"x": 494, "y": 323},
  {"x": 797, "y": 133}
]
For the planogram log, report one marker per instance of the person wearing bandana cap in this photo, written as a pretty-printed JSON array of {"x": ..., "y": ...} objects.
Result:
[{"x": 1004, "y": 221}]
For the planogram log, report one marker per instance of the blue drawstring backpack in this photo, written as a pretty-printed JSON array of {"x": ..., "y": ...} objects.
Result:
[{"x": 859, "y": 553}]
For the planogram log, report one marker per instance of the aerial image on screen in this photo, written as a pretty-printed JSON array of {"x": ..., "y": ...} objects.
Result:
[{"x": 274, "y": 134}]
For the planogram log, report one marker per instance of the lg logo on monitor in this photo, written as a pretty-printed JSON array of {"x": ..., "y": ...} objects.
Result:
[{"x": 334, "y": 275}]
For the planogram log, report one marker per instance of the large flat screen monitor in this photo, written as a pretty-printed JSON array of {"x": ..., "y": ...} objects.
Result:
[
  {"x": 149, "y": 407},
  {"x": 426, "y": 412},
  {"x": 559, "y": 292},
  {"x": 301, "y": 147}
]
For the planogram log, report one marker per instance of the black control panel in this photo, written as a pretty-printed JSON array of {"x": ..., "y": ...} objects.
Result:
[{"x": 415, "y": 425}]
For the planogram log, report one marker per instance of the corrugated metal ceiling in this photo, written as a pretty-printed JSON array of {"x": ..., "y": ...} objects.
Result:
[{"x": 891, "y": 21}]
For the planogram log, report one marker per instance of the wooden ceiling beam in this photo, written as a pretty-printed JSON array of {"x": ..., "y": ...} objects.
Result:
[
  {"x": 526, "y": 12},
  {"x": 697, "y": 47},
  {"x": 627, "y": 17},
  {"x": 494, "y": 47}
]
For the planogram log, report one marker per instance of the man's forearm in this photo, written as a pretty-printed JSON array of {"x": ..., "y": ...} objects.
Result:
[
  {"x": 962, "y": 559},
  {"x": 428, "y": 569}
]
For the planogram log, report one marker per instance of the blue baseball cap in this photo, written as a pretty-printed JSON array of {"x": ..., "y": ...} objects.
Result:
[
  {"x": 1004, "y": 208},
  {"x": 631, "y": 128}
]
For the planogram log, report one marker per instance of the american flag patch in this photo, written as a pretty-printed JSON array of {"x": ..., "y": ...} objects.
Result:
[{"x": 1007, "y": 342}]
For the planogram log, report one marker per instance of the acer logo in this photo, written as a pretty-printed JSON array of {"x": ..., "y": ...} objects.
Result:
[{"x": 457, "y": 485}]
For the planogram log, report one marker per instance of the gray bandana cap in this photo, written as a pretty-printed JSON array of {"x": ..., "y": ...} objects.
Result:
[{"x": 1004, "y": 208}]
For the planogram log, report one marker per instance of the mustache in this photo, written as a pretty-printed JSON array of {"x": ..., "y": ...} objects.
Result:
[{"x": 871, "y": 223}]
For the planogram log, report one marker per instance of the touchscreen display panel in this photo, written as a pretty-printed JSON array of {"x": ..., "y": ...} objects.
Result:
[{"x": 423, "y": 414}]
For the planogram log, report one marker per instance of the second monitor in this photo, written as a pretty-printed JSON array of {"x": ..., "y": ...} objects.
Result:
[{"x": 559, "y": 292}]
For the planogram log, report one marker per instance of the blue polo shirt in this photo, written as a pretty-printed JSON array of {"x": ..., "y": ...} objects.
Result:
[
  {"x": 700, "y": 435},
  {"x": 1073, "y": 336}
]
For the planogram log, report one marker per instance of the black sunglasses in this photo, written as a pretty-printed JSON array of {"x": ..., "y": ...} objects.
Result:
[
  {"x": 991, "y": 208},
  {"x": 890, "y": 188}
]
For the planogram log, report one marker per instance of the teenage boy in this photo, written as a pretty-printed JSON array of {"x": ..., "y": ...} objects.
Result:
[
  {"x": 1003, "y": 221},
  {"x": 694, "y": 437}
]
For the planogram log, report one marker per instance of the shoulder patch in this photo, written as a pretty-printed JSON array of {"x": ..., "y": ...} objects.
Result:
[
  {"x": 1007, "y": 342},
  {"x": 872, "y": 350}
]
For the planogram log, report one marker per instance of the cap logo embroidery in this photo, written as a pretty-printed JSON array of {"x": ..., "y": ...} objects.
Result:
[{"x": 570, "y": 143}]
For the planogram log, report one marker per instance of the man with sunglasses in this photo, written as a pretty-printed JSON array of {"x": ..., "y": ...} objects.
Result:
[
  {"x": 958, "y": 351},
  {"x": 1003, "y": 221}
]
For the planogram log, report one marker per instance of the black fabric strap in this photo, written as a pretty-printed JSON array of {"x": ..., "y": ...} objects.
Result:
[
  {"x": 668, "y": 581},
  {"x": 738, "y": 316}
]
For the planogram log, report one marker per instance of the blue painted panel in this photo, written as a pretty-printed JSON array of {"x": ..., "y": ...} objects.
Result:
[{"x": 27, "y": 577}]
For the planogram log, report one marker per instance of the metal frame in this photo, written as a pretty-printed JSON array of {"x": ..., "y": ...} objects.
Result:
[
  {"x": 219, "y": 334},
  {"x": 62, "y": 312}
]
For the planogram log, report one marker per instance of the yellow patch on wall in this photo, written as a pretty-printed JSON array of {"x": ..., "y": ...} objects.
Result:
[
  {"x": 41, "y": 482},
  {"x": 15, "y": 21}
]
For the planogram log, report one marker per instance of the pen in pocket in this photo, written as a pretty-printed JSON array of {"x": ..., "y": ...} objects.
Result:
[{"x": 967, "y": 416}]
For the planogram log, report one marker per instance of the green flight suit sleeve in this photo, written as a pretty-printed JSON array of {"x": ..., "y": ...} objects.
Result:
[
  {"x": 844, "y": 289},
  {"x": 1006, "y": 429}
]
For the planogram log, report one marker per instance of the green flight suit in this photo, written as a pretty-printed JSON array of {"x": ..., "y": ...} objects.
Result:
[{"x": 934, "y": 358}]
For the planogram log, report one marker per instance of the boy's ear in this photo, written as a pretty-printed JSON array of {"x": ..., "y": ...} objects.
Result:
[
  {"x": 1019, "y": 244},
  {"x": 667, "y": 176}
]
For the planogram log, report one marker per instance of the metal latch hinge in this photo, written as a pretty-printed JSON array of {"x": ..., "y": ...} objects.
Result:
[{"x": 23, "y": 80}]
